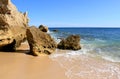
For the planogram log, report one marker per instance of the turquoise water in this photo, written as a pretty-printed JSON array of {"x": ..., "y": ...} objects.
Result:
[{"x": 104, "y": 42}]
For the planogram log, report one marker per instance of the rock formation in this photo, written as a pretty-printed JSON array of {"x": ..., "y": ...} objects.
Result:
[
  {"x": 72, "y": 42},
  {"x": 40, "y": 42},
  {"x": 55, "y": 30},
  {"x": 43, "y": 28},
  {"x": 13, "y": 26}
]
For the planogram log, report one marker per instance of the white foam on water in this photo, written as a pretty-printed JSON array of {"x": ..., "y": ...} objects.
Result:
[
  {"x": 81, "y": 66},
  {"x": 106, "y": 53},
  {"x": 109, "y": 58},
  {"x": 100, "y": 40},
  {"x": 54, "y": 36},
  {"x": 48, "y": 31}
]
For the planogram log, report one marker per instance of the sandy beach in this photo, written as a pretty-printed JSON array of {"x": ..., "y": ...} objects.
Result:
[
  {"x": 69, "y": 39},
  {"x": 19, "y": 65}
]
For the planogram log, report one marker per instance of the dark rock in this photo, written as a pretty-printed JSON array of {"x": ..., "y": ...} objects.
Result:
[
  {"x": 13, "y": 25},
  {"x": 40, "y": 42},
  {"x": 43, "y": 28},
  {"x": 55, "y": 30},
  {"x": 9, "y": 47},
  {"x": 72, "y": 42}
]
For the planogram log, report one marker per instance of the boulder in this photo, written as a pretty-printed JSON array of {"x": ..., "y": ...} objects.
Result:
[
  {"x": 40, "y": 42},
  {"x": 55, "y": 30},
  {"x": 72, "y": 42},
  {"x": 13, "y": 25},
  {"x": 43, "y": 28}
]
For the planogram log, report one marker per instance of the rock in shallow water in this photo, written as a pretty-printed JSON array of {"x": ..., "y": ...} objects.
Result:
[
  {"x": 13, "y": 26},
  {"x": 72, "y": 42},
  {"x": 40, "y": 42}
]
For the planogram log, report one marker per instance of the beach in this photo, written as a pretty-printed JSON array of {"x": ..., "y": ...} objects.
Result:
[
  {"x": 19, "y": 65},
  {"x": 78, "y": 40},
  {"x": 87, "y": 67}
]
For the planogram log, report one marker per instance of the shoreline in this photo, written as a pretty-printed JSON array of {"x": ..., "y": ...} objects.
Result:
[
  {"x": 19, "y": 65},
  {"x": 84, "y": 66}
]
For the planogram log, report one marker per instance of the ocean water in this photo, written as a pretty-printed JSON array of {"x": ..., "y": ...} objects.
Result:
[
  {"x": 99, "y": 57},
  {"x": 104, "y": 42}
]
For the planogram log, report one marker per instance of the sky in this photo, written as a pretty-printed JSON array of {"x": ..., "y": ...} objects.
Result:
[{"x": 71, "y": 13}]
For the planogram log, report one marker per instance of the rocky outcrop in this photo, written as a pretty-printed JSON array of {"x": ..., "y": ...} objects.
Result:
[
  {"x": 40, "y": 42},
  {"x": 43, "y": 28},
  {"x": 13, "y": 25},
  {"x": 72, "y": 42},
  {"x": 55, "y": 30}
]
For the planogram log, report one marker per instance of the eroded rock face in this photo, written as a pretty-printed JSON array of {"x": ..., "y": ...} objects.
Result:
[
  {"x": 40, "y": 42},
  {"x": 13, "y": 25},
  {"x": 43, "y": 28},
  {"x": 72, "y": 42}
]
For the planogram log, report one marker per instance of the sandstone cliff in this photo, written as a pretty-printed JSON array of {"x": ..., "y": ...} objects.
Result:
[{"x": 13, "y": 25}]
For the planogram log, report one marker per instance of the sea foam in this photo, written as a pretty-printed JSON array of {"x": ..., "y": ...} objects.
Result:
[{"x": 78, "y": 66}]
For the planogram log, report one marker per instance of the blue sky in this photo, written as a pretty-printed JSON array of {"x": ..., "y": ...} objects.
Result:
[{"x": 72, "y": 13}]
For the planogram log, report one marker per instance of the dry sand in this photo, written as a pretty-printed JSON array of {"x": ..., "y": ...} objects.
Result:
[{"x": 19, "y": 65}]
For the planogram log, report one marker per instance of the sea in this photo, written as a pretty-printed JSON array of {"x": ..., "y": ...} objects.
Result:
[{"x": 103, "y": 43}]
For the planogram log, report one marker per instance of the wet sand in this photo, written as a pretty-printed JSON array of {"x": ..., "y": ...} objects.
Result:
[
  {"x": 83, "y": 66},
  {"x": 19, "y": 65}
]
